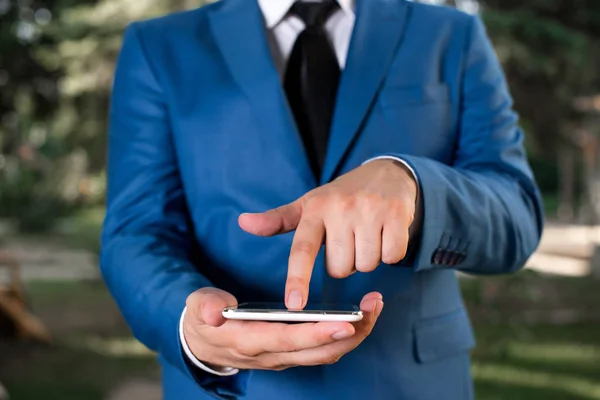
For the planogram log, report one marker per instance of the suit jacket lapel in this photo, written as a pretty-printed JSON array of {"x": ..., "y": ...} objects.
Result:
[
  {"x": 377, "y": 34},
  {"x": 239, "y": 32}
]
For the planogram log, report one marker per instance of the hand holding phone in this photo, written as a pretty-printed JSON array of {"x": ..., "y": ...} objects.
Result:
[{"x": 218, "y": 341}]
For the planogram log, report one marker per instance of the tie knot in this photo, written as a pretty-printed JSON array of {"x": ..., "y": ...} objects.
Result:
[{"x": 314, "y": 13}]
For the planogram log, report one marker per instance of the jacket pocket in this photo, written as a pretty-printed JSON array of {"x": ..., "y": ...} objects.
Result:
[
  {"x": 394, "y": 96},
  {"x": 443, "y": 336}
]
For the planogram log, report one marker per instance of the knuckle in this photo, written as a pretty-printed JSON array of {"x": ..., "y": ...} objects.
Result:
[
  {"x": 190, "y": 302},
  {"x": 246, "y": 350},
  {"x": 275, "y": 364},
  {"x": 391, "y": 257},
  {"x": 366, "y": 331},
  {"x": 367, "y": 259},
  {"x": 331, "y": 359},
  {"x": 316, "y": 202},
  {"x": 297, "y": 281},
  {"x": 338, "y": 273},
  {"x": 286, "y": 344},
  {"x": 370, "y": 199},
  {"x": 335, "y": 246},
  {"x": 402, "y": 254},
  {"x": 402, "y": 211},
  {"x": 337, "y": 257},
  {"x": 193, "y": 304},
  {"x": 397, "y": 207},
  {"x": 366, "y": 247},
  {"x": 280, "y": 211},
  {"x": 345, "y": 203},
  {"x": 410, "y": 217},
  {"x": 366, "y": 267},
  {"x": 256, "y": 363},
  {"x": 304, "y": 247}
]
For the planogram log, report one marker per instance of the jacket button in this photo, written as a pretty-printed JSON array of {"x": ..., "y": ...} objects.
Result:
[
  {"x": 437, "y": 256},
  {"x": 447, "y": 255},
  {"x": 454, "y": 259}
]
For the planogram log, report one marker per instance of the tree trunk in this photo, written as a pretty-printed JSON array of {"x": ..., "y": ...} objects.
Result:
[
  {"x": 566, "y": 165},
  {"x": 595, "y": 263},
  {"x": 590, "y": 212}
]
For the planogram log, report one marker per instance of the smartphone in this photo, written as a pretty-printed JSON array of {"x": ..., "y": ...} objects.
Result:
[{"x": 278, "y": 312}]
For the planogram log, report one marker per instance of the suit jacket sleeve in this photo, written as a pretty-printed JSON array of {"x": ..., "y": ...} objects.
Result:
[
  {"x": 483, "y": 214},
  {"x": 149, "y": 259}
]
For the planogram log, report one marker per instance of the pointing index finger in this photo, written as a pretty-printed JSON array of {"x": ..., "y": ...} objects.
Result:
[{"x": 305, "y": 248}]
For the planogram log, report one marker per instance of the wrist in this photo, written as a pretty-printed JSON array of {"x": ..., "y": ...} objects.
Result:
[
  {"x": 410, "y": 178},
  {"x": 410, "y": 184},
  {"x": 403, "y": 172}
]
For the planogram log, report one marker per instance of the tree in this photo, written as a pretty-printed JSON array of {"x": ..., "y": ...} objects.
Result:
[
  {"x": 28, "y": 97},
  {"x": 55, "y": 75},
  {"x": 551, "y": 58}
]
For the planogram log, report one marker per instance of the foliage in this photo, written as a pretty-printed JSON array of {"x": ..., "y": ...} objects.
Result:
[
  {"x": 58, "y": 58},
  {"x": 550, "y": 53},
  {"x": 28, "y": 201},
  {"x": 55, "y": 76}
]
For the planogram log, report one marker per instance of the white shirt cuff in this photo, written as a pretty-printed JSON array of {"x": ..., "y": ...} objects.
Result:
[
  {"x": 401, "y": 161},
  {"x": 225, "y": 371}
]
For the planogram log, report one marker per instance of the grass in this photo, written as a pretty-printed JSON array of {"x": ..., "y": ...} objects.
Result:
[
  {"x": 524, "y": 350},
  {"x": 93, "y": 350},
  {"x": 69, "y": 373},
  {"x": 551, "y": 362},
  {"x": 54, "y": 294}
]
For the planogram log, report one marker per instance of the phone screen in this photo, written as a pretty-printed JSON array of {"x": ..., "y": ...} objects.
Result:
[{"x": 310, "y": 307}]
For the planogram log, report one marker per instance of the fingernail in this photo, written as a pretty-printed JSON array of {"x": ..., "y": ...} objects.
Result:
[
  {"x": 295, "y": 300},
  {"x": 341, "y": 335},
  {"x": 378, "y": 308}
]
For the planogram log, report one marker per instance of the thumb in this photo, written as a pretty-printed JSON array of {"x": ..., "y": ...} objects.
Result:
[
  {"x": 273, "y": 222},
  {"x": 207, "y": 305}
]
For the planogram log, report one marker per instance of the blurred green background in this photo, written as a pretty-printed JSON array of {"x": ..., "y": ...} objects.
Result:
[{"x": 538, "y": 331}]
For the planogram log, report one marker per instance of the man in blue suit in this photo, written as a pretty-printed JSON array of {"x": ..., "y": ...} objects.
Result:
[{"x": 375, "y": 147}]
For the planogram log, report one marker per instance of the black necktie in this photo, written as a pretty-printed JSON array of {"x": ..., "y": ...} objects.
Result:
[{"x": 312, "y": 79}]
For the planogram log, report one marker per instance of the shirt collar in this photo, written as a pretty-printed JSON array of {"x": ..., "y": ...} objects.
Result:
[{"x": 275, "y": 10}]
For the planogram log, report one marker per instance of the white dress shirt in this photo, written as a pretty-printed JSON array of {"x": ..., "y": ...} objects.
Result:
[{"x": 285, "y": 28}]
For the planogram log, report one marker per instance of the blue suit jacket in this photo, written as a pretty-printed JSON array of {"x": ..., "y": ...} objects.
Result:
[{"x": 200, "y": 132}]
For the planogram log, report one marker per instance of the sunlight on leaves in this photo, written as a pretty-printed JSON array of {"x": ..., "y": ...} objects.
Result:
[{"x": 113, "y": 10}]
